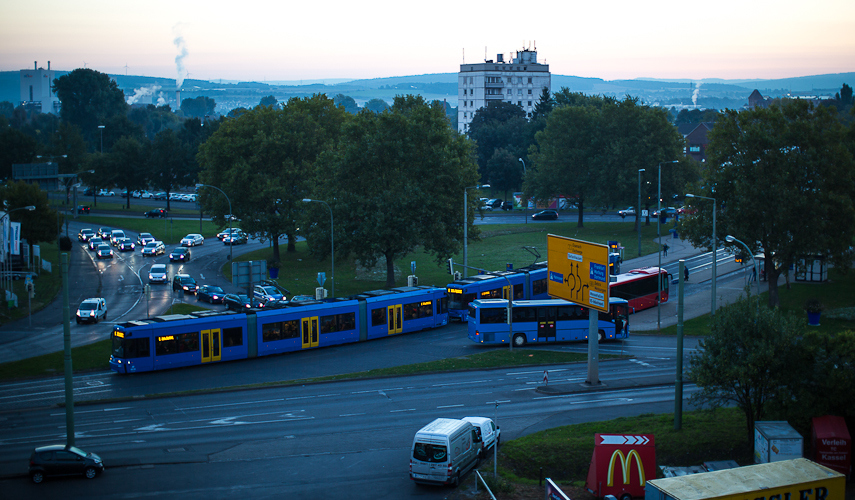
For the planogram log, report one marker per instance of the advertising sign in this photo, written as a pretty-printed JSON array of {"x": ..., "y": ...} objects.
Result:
[
  {"x": 621, "y": 464},
  {"x": 578, "y": 271}
]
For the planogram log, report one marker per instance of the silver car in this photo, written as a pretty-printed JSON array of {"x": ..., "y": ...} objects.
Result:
[{"x": 158, "y": 274}]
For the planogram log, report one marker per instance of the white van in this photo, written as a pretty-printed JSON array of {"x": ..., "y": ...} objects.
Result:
[
  {"x": 443, "y": 451},
  {"x": 490, "y": 434}
]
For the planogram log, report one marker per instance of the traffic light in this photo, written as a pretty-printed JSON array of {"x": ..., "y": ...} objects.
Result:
[
  {"x": 31, "y": 289},
  {"x": 450, "y": 266}
]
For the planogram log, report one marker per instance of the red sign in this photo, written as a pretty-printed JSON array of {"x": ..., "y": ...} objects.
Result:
[{"x": 621, "y": 464}]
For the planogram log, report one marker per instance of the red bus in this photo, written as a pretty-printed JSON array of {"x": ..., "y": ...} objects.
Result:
[{"x": 639, "y": 287}]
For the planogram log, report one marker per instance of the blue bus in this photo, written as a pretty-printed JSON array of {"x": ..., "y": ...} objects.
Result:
[
  {"x": 529, "y": 284},
  {"x": 205, "y": 337},
  {"x": 537, "y": 321}
]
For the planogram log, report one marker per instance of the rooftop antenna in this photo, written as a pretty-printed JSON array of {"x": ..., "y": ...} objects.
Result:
[
  {"x": 126, "y": 69},
  {"x": 485, "y": 53},
  {"x": 464, "y": 55}
]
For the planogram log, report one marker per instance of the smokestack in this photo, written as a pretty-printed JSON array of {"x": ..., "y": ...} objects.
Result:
[
  {"x": 178, "y": 98},
  {"x": 36, "y": 65},
  {"x": 48, "y": 65}
]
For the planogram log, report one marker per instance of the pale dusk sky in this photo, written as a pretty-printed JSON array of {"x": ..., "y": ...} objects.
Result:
[{"x": 270, "y": 41}]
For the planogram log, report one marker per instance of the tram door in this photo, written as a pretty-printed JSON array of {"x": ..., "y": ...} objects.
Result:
[
  {"x": 310, "y": 332},
  {"x": 395, "y": 317},
  {"x": 546, "y": 317},
  {"x": 212, "y": 341},
  {"x": 506, "y": 292}
]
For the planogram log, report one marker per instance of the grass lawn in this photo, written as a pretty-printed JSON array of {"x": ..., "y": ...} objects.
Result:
[{"x": 168, "y": 230}]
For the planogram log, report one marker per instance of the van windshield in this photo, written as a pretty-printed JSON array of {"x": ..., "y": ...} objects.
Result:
[{"x": 430, "y": 452}]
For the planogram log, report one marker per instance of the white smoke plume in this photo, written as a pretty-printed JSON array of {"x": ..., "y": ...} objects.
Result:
[
  {"x": 696, "y": 93},
  {"x": 161, "y": 101},
  {"x": 179, "y": 59},
  {"x": 143, "y": 92}
]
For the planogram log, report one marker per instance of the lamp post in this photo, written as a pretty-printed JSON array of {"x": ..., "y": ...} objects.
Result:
[
  {"x": 7, "y": 247},
  {"x": 231, "y": 246},
  {"x": 466, "y": 225},
  {"x": 731, "y": 239},
  {"x": 659, "y": 240},
  {"x": 332, "y": 241},
  {"x": 638, "y": 211},
  {"x": 101, "y": 129},
  {"x": 524, "y": 201},
  {"x": 714, "y": 248}
]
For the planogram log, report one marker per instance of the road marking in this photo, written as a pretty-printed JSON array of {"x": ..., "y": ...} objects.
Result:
[
  {"x": 398, "y": 411},
  {"x": 449, "y": 406},
  {"x": 351, "y": 414}
]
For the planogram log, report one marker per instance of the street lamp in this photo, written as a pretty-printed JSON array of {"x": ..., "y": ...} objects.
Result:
[
  {"x": 714, "y": 247},
  {"x": 332, "y": 240},
  {"x": 638, "y": 211},
  {"x": 731, "y": 239},
  {"x": 524, "y": 201},
  {"x": 231, "y": 246},
  {"x": 466, "y": 225},
  {"x": 7, "y": 247},
  {"x": 659, "y": 240},
  {"x": 101, "y": 129}
]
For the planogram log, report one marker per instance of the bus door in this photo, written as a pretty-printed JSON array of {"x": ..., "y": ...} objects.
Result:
[
  {"x": 211, "y": 344},
  {"x": 309, "y": 333},
  {"x": 546, "y": 317},
  {"x": 395, "y": 318}
]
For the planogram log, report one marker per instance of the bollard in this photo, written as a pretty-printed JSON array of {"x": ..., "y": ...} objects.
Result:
[{"x": 540, "y": 477}]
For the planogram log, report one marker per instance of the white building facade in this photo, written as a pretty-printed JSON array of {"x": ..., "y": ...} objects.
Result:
[
  {"x": 519, "y": 82},
  {"x": 36, "y": 90}
]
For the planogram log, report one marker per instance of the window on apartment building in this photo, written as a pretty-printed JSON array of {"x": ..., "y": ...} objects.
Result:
[
  {"x": 464, "y": 104},
  {"x": 529, "y": 79},
  {"x": 519, "y": 103},
  {"x": 694, "y": 148},
  {"x": 471, "y": 104},
  {"x": 510, "y": 91},
  {"x": 510, "y": 80},
  {"x": 519, "y": 91},
  {"x": 519, "y": 79},
  {"x": 529, "y": 91},
  {"x": 529, "y": 103},
  {"x": 470, "y": 79}
]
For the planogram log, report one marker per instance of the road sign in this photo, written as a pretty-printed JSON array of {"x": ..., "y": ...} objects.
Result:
[
  {"x": 545, "y": 377},
  {"x": 578, "y": 271}
]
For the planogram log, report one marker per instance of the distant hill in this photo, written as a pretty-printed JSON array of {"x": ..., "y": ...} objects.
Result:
[{"x": 710, "y": 93}]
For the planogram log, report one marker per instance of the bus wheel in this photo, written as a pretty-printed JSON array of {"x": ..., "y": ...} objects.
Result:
[
  {"x": 519, "y": 340},
  {"x": 601, "y": 335}
]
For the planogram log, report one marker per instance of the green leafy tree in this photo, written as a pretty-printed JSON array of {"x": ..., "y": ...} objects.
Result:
[
  {"x": 269, "y": 101},
  {"x": 153, "y": 119},
  {"x": 544, "y": 104},
  {"x": 499, "y": 125},
  {"x": 89, "y": 99},
  {"x": 128, "y": 158},
  {"x": 168, "y": 165},
  {"x": 198, "y": 107},
  {"x": 15, "y": 147},
  {"x": 37, "y": 226},
  {"x": 264, "y": 160},
  {"x": 748, "y": 359},
  {"x": 347, "y": 103},
  {"x": 376, "y": 105},
  {"x": 785, "y": 182},
  {"x": 395, "y": 183},
  {"x": 845, "y": 95},
  {"x": 505, "y": 171}
]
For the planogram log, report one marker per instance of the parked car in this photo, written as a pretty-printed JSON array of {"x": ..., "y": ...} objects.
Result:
[
  {"x": 115, "y": 236},
  {"x": 191, "y": 240},
  {"x": 236, "y": 238},
  {"x": 126, "y": 245},
  {"x": 63, "y": 460},
  {"x": 158, "y": 274},
  {"x": 105, "y": 232},
  {"x": 145, "y": 195},
  {"x": 490, "y": 433},
  {"x": 180, "y": 254},
  {"x": 104, "y": 192},
  {"x": 184, "y": 282},
  {"x": 267, "y": 293},
  {"x": 85, "y": 235},
  {"x": 626, "y": 212},
  {"x": 545, "y": 215},
  {"x": 210, "y": 293},
  {"x": 494, "y": 203},
  {"x": 92, "y": 310},
  {"x": 666, "y": 212},
  {"x": 241, "y": 302},
  {"x": 157, "y": 212},
  {"x": 507, "y": 205},
  {"x": 160, "y": 195},
  {"x": 144, "y": 238},
  {"x": 153, "y": 248},
  {"x": 104, "y": 251},
  {"x": 83, "y": 209},
  {"x": 175, "y": 197}
]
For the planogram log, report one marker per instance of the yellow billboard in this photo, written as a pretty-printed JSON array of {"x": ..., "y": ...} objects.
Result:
[{"x": 578, "y": 271}]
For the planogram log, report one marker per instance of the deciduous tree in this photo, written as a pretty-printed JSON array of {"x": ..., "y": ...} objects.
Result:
[
  {"x": 36, "y": 226},
  {"x": 89, "y": 98}
]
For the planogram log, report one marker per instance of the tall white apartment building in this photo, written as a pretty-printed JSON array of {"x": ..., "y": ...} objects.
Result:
[{"x": 519, "y": 82}]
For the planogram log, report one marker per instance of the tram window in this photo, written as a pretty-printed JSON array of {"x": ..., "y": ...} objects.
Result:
[
  {"x": 492, "y": 294},
  {"x": 271, "y": 332},
  {"x": 443, "y": 305},
  {"x": 378, "y": 316},
  {"x": 411, "y": 311},
  {"x": 518, "y": 292},
  {"x": 338, "y": 322},
  {"x": 232, "y": 337},
  {"x": 131, "y": 348},
  {"x": 426, "y": 309},
  {"x": 188, "y": 342},
  {"x": 538, "y": 287},
  {"x": 165, "y": 345}
]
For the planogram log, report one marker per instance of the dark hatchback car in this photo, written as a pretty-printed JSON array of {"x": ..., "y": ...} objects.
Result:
[
  {"x": 545, "y": 215},
  {"x": 184, "y": 282},
  {"x": 180, "y": 254},
  {"x": 83, "y": 209},
  {"x": 241, "y": 302},
  {"x": 61, "y": 460},
  {"x": 211, "y": 293},
  {"x": 157, "y": 212}
]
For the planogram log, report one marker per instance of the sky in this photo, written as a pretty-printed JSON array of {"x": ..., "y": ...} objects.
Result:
[{"x": 292, "y": 41}]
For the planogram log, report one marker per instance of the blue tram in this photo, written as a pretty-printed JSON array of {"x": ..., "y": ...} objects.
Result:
[
  {"x": 204, "y": 337},
  {"x": 529, "y": 284}
]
